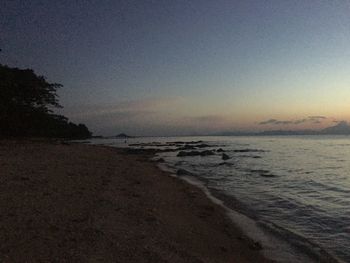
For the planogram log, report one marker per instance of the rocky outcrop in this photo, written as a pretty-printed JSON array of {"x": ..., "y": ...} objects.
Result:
[
  {"x": 187, "y": 147},
  {"x": 195, "y": 153},
  {"x": 225, "y": 157},
  {"x": 203, "y": 145},
  {"x": 206, "y": 153}
]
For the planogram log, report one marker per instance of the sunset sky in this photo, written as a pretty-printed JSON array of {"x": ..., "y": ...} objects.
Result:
[{"x": 187, "y": 67}]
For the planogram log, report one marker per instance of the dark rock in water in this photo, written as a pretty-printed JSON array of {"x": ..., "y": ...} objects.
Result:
[
  {"x": 206, "y": 153},
  {"x": 195, "y": 153},
  {"x": 193, "y": 146},
  {"x": 220, "y": 150},
  {"x": 183, "y": 172},
  {"x": 187, "y": 147},
  {"x": 267, "y": 175},
  {"x": 225, "y": 156},
  {"x": 203, "y": 145},
  {"x": 192, "y": 153},
  {"x": 167, "y": 150},
  {"x": 193, "y": 142},
  {"x": 160, "y": 160},
  {"x": 225, "y": 163}
]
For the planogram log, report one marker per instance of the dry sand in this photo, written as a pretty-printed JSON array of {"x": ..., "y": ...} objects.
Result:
[{"x": 81, "y": 203}]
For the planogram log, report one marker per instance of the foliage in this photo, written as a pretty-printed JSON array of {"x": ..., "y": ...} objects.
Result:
[{"x": 26, "y": 107}]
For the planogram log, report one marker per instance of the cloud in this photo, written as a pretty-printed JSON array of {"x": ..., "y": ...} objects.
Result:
[
  {"x": 275, "y": 122},
  {"x": 310, "y": 119},
  {"x": 317, "y": 117},
  {"x": 300, "y": 121},
  {"x": 270, "y": 121}
]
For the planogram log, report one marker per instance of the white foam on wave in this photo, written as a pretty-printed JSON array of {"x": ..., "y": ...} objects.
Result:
[{"x": 273, "y": 247}]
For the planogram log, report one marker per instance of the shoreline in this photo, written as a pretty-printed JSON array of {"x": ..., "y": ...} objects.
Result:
[
  {"x": 276, "y": 243},
  {"x": 97, "y": 203}
]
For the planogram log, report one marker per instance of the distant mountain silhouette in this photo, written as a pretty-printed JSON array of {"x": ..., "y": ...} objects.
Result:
[
  {"x": 284, "y": 132},
  {"x": 341, "y": 128}
]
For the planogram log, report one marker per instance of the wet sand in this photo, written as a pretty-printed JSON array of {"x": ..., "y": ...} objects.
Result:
[{"x": 82, "y": 203}]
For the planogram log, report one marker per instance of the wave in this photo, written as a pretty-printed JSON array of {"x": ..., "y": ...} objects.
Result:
[
  {"x": 277, "y": 245},
  {"x": 301, "y": 247}
]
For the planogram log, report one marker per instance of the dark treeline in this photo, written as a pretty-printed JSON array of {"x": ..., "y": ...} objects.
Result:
[{"x": 26, "y": 107}]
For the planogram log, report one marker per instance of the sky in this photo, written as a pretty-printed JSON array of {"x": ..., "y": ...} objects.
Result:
[{"x": 172, "y": 67}]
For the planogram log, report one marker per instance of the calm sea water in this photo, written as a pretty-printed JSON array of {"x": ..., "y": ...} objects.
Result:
[{"x": 297, "y": 188}]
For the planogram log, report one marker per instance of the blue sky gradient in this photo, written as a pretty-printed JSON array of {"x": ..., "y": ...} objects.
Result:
[{"x": 179, "y": 67}]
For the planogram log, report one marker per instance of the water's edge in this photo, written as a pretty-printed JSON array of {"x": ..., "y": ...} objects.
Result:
[
  {"x": 275, "y": 246},
  {"x": 264, "y": 214}
]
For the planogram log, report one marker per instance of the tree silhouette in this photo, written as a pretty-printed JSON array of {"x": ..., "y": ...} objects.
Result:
[{"x": 26, "y": 107}]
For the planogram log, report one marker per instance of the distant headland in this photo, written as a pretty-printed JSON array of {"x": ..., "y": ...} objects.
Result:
[
  {"x": 123, "y": 136},
  {"x": 341, "y": 128}
]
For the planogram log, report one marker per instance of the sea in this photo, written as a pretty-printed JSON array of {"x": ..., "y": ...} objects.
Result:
[{"x": 290, "y": 193}]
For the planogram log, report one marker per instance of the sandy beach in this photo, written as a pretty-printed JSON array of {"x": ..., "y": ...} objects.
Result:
[{"x": 80, "y": 203}]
